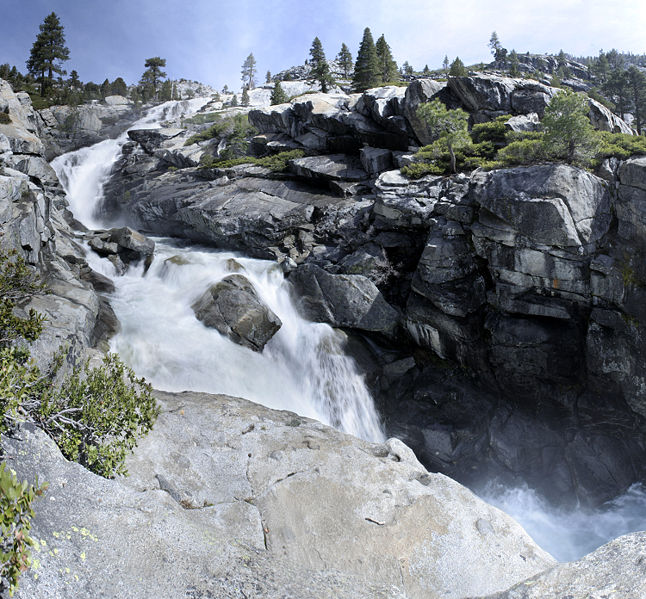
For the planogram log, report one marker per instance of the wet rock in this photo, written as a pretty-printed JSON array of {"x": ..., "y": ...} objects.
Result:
[
  {"x": 351, "y": 301},
  {"x": 125, "y": 245},
  {"x": 234, "y": 309}
]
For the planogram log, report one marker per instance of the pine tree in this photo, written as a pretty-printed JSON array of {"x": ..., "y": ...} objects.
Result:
[
  {"x": 249, "y": 72},
  {"x": 278, "y": 95},
  {"x": 48, "y": 52},
  {"x": 457, "y": 68},
  {"x": 74, "y": 81},
  {"x": 320, "y": 69},
  {"x": 407, "y": 69},
  {"x": 450, "y": 126},
  {"x": 344, "y": 60},
  {"x": 244, "y": 99},
  {"x": 234, "y": 100},
  {"x": 499, "y": 53},
  {"x": 118, "y": 87},
  {"x": 445, "y": 64},
  {"x": 637, "y": 86},
  {"x": 426, "y": 71},
  {"x": 617, "y": 88},
  {"x": 105, "y": 88},
  {"x": 514, "y": 64},
  {"x": 268, "y": 77},
  {"x": 151, "y": 77},
  {"x": 387, "y": 65},
  {"x": 569, "y": 135},
  {"x": 366, "y": 67},
  {"x": 166, "y": 92},
  {"x": 225, "y": 89}
]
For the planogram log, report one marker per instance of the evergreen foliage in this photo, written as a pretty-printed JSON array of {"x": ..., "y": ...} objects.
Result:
[
  {"x": 244, "y": 99},
  {"x": 234, "y": 100},
  {"x": 499, "y": 53},
  {"x": 448, "y": 126},
  {"x": 278, "y": 95},
  {"x": 344, "y": 60},
  {"x": 320, "y": 69},
  {"x": 568, "y": 133},
  {"x": 151, "y": 77},
  {"x": 458, "y": 69},
  {"x": 118, "y": 87},
  {"x": 249, "y": 72},
  {"x": 268, "y": 77},
  {"x": 445, "y": 64},
  {"x": 366, "y": 67},
  {"x": 48, "y": 53},
  {"x": 514, "y": 64},
  {"x": 387, "y": 65}
]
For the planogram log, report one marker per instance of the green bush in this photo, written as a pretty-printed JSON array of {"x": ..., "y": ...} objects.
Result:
[
  {"x": 16, "y": 513},
  {"x": 276, "y": 162},
  {"x": 524, "y": 151},
  {"x": 5, "y": 119},
  {"x": 494, "y": 131},
  {"x": 97, "y": 415},
  {"x": 620, "y": 145},
  {"x": 203, "y": 118}
]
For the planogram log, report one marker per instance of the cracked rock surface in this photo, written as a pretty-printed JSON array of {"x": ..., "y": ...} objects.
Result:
[{"x": 251, "y": 502}]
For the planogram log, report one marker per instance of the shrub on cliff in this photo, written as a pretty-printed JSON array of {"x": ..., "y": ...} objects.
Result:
[{"x": 16, "y": 512}]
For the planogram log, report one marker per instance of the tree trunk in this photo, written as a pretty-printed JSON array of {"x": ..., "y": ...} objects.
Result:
[{"x": 453, "y": 160}]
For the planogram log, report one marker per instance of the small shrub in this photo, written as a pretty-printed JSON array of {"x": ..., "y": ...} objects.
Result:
[
  {"x": 97, "y": 415},
  {"x": 494, "y": 131},
  {"x": 620, "y": 145},
  {"x": 417, "y": 170},
  {"x": 5, "y": 119},
  {"x": 525, "y": 151},
  {"x": 279, "y": 162},
  {"x": 16, "y": 513}
]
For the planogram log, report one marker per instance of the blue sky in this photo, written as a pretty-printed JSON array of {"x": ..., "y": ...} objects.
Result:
[{"x": 208, "y": 40}]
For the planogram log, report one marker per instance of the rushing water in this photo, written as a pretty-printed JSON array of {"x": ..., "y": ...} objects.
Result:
[{"x": 303, "y": 368}]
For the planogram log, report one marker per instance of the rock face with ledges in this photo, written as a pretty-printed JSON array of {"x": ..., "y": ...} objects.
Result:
[{"x": 267, "y": 503}]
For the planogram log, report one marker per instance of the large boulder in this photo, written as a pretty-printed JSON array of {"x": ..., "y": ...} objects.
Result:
[
  {"x": 351, "y": 301},
  {"x": 617, "y": 570},
  {"x": 251, "y": 501},
  {"x": 151, "y": 139},
  {"x": 419, "y": 92},
  {"x": 336, "y": 167},
  {"x": 233, "y": 308}
]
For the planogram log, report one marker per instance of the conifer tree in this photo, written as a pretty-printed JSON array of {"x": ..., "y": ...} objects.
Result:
[
  {"x": 105, "y": 88},
  {"x": 249, "y": 72},
  {"x": 48, "y": 52},
  {"x": 320, "y": 69},
  {"x": 499, "y": 53},
  {"x": 278, "y": 95},
  {"x": 118, "y": 87},
  {"x": 366, "y": 67},
  {"x": 637, "y": 87},
  {"x": 244, "y": 99},
  {"x": 151, "y": 76},
  {"x": 514, "y": 70},
  {"x": 74, "y": 81},
  {"x": 457, "y": 68},
  {"x": 387, "y": 65},
  {"x": 445, "y": 64},
  {"x": 268, "y": 77},
  {"x": 344, "y": 60},
  {"x": 407, "y": 69},
  {"x": 166, "y": 91},
  {"x": 426, "y": 70},
  {"x": 234, "y": 100}
]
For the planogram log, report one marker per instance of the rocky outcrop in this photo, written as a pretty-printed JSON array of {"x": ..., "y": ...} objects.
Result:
[
  {"x": 33, "y": 219},
  {"x": 615, "y": 570},
  {"x": 122, "y": 246},
  {"x": 349, "y": 301},
  {"x": 233, "y": 308},
  {"x": 67, "y": 128},
  {"x": 262, "y": 501}
]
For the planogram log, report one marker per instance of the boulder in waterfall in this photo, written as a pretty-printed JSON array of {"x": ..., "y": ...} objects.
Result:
[
  {"x": 227, "y": 499},
  {"x": 351, "y": 301},
  {"x": 233, "y": 308},
  {"x": 123, "y": 246}
]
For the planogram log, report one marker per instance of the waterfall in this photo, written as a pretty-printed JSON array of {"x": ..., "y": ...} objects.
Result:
[{"x": 303, "y": 368}]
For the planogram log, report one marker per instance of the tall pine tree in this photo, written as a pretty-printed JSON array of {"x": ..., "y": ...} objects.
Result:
[
  {"x": 278, "y": 95},
  {"x": 48, "y": 52},
  {"x": 249, "y": 72},
  {"x": 366, "y": 67},
  {"x": 344, "y": 60},
  {"x": 320, "y": 69},
  {"x": 387, "y": 65}
]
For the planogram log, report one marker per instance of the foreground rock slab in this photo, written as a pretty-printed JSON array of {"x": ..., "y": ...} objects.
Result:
[
  {"x": 617, "y": 570},
  {"x": 251, "y": 502}
]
